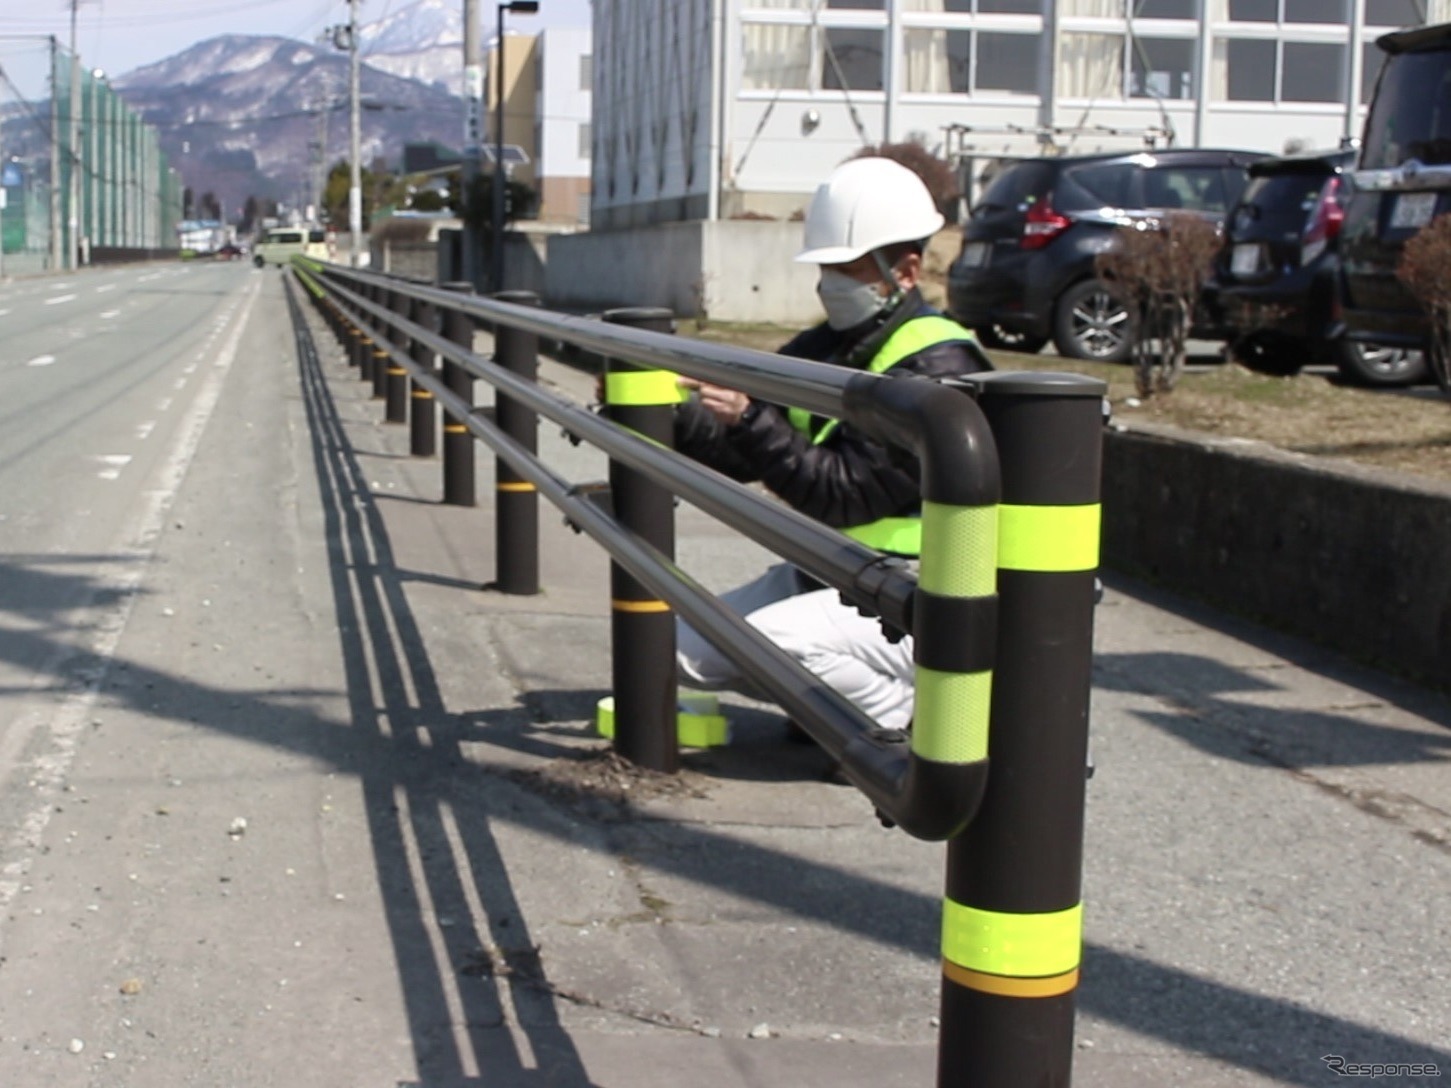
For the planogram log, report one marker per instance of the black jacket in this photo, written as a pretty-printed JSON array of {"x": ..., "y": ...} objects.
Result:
[{"x": 849, "y": 479}]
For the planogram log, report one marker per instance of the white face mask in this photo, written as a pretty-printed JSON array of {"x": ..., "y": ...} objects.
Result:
[{"x": 848, "y": 302}]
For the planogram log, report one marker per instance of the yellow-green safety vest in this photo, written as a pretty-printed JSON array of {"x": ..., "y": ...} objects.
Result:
[{"x": 902, "y": 535}]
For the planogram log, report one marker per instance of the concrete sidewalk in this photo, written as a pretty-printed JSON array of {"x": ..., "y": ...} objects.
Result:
[{"x": 1266, "y": 864}]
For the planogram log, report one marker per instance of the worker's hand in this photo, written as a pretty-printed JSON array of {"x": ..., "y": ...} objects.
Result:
[{"x": 727, "y": 405}]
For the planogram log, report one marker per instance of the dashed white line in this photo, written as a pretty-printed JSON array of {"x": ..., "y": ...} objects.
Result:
[
  {"x": 3, "y": 312},
  {"x": 143, "y": 430},
  {"x": 180, "y": 383},
  {"x": 101, "y": 290},
  {"x": 41, "y": 360},
  {"x": 163, "y": 404},
  {"x": 114, "y": 463},
  {"x": 110, "y": 313},
  {"x": 59, "y": 299}
]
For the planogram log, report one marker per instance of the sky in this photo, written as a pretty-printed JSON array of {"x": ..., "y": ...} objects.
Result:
[{"x": 119, "y": 35}]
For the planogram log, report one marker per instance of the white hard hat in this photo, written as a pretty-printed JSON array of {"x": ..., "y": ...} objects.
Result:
[{"x": 865, "y": 204}]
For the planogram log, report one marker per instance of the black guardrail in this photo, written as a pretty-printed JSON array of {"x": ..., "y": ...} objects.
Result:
[{"x": 1000, "y": 608}]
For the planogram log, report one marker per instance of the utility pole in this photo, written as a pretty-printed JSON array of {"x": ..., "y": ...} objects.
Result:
[
  {"x": 57, "y": 240},
  {"x": 473, "y": 92},
  {"x": 355, "y": 170},
  {"x": 73, "y": 198},
  {"x": 501, "y": 176}
]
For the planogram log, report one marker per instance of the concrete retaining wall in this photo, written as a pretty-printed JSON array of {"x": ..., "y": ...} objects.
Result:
[
  {"x": 1354, "y": 559},
  {"x": 729, "y": 270}
]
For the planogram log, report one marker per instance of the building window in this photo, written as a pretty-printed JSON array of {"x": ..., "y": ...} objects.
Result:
[
  {"x": 946, "y": 62},
  {"x": 1007, "y": 62},
  {"x": 1166, "y": 9},
  {"x": 1245, "y": 70},
  {"x": 776, "y": 57},
  {"x": 1283, "y": 11},
  {"x": 1312, "y": 72},
  {"x": 852, "y": 59},
  {"x": 1392, "y": 13},
  {"x": 584, "y": 140},
  {"x": 1091, "y": 65},
  {"x": 586, "y": 72},
  {"x": 1255, "y": 70},
  {"x": 1162, "y": 68},
  {"x": 983, "y": 7}
]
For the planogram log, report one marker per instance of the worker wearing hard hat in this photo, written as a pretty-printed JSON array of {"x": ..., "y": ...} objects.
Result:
[{"x": 866, "y": 228}]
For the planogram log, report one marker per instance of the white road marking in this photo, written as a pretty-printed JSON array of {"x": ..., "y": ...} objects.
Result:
[
  {"x": 59, "y": 299},
  {"x": 66, "y": 721},
  {"x": 41, "y": 360},
  {"x": 110, "y": 313},
  {"x": 180, "y": 383},
  {"x": 114, "y": 463},
  {"x": 3, "y": 312},
  {"x": 163, "y": 404},
  {"x": 60, "y": 286},
  {"x": 146, "y": 279},
  {"x": 143, "y": 430}
]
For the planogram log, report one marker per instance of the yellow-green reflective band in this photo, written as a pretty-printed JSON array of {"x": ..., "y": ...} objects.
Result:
[
  {"x": 959, "y": 550},
  {"x": 643, "y": 387},
  {"x": 900, "y": 535},
  {"x": 1015, "y": 945},
  {"x": 1048, "y": 538},
  {"x": 950, "y": 716}
]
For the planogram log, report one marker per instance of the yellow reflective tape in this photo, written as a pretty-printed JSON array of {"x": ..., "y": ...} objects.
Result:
[
  {"x": 423, "y": 394},
  {"x": 515, "y": 485},
  {"x": 639, "y": 387},
  {"x": 639, "y": 606},
  {"x": 455, "y": 428},
  {"x": 1014, "y": 945},
  {"x": 950, "y": 716},
  {"x": 1053, "y": 986},
  {"x": 959, "y": 550},
  {"x": 396, "y": 370},
  {"x": 1049, "y": 538}
]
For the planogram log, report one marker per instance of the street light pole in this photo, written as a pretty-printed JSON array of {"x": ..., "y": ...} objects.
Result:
[
  {"x": 496, "y": 241},
  {"x": 355, "y": 171}
]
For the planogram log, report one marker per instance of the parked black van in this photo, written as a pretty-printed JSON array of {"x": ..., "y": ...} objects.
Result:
[{"x": 1402, "y": 182}]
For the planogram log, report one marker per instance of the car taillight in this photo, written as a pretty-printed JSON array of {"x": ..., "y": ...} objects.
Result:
[
  {"x": 1042, "y": 224},
  {"x": 1324, "y": 223}
]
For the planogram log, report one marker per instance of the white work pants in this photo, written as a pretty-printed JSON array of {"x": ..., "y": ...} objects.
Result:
[{"x": 844, "y": 648}]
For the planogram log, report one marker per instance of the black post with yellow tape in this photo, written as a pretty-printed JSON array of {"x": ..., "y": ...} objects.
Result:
[
  {"x": 422, "y": 408},
  {"x": 516, "y": 509},
  {"x": 365, "y": 342},
  {"x": 1012, "y": 919},
  {"x": 642, "y": 627},
  {"x": 458, "y": 443},
  {"x": 381, "y": 361},
  {"x": 395, "y": 384}
]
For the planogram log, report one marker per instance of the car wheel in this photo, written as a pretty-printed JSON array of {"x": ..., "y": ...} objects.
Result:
[
  {"x": 1276, "y": 356},
  {"x": 1377, "y": 365},
  {"x": 258, "y": 261},
  {"x": 1089, "y": 322},
  {"x": 1001, "y": 339}
]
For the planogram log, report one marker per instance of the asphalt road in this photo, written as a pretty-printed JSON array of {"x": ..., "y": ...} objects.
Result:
[{"x": 268, "y": 756}]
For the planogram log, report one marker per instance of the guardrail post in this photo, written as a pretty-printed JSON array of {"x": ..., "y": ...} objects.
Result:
[
  {"x": 355, "y": 335},
  {"x": 458, "y": 444},
  {"x": 395, "y": 384},
  {"x": 1012, "y": 917},
  {"x": 381, "y": 361},
  {"x": 422, "y": 415},
  {"x": 365, "y": 350},
  {"x": 642, "y": 628},
  {"x": 516, "y": 503}
]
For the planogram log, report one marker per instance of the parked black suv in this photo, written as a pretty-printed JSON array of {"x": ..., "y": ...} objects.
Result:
[
  {"x": 1026, "y": 271},
  {"x": 1403, "y": 180},
  {"x": 1275, "y": 284}
]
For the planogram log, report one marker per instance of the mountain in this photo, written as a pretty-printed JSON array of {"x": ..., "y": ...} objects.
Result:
[
  {"x": 241, "y": 115},
  {"x": 423, "y": 41}
]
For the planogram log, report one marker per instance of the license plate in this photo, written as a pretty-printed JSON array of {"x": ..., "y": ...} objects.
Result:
[
  {"x": 975, "y": 254},
  {"x": 1413, "y": 210},
  {"x": 1245, "y": 259}
]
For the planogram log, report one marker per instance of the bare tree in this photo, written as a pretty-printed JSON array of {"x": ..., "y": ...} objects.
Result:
[
  {"x": 1158, "y": 267},
  {"x": 1425, "y": 269}
]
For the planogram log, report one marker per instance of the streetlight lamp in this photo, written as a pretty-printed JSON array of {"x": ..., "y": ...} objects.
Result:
[{"x": 496, "y": 247}]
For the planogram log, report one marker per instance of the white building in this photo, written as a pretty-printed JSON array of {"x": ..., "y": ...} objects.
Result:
[
  {"x": 727, "y": 108},
  {"x": 564, "y": 71}
]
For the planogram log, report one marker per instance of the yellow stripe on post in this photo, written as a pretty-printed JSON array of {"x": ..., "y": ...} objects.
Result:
[
  {"x": 1049, "y": 538},
  {"x": 639, "y": 606},
  {"x": 951, "y": 714},
  {"x": 515, "y": 485},
  {"x": 959, "y": 550},
  {"x": 639, "y": 387},
  {"x": 1012, "y": 945},
  {"x": 1001, "y": 986}
]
